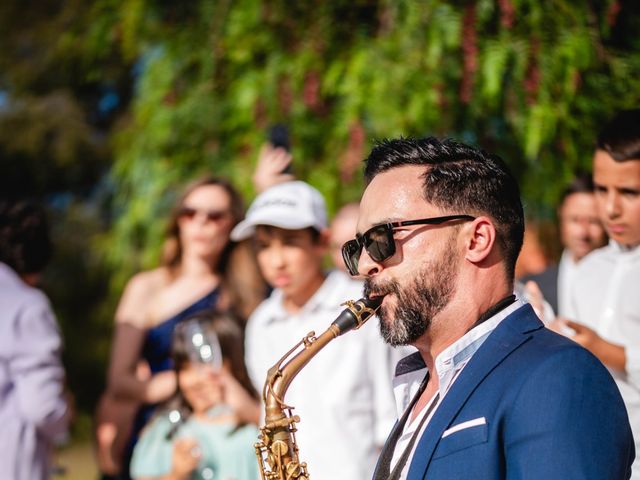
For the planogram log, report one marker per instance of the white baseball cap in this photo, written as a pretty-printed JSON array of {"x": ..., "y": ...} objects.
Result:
[{"x": 289, "y": 205}]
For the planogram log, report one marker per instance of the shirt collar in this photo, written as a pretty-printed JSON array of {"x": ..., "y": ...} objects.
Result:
[
  {"x": 8, "y": 274},
  {"x": 566, "y": 259},
  {"x": 619, "y": 248},
  {"x": 319, "y": 300},
  {"x": 449, "y": 363},
  {"x": 453, "y": 358}
]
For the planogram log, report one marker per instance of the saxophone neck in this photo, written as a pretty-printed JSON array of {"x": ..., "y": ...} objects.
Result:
[
  {"x": 277, "y": 451},
  {"x": 282, "y": 373}
]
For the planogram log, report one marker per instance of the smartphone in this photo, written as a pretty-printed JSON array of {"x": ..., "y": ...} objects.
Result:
[{"x": 278, "y": 136}]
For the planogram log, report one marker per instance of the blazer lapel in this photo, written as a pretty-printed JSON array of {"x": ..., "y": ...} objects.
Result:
[{"x": 512, "y": 332}]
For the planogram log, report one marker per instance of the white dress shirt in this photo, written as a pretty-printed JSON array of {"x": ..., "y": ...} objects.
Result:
[
  {"x": 344, "y": 395},
  {"x": 606, "y": 298},
  {"x": 566, "y": 276},
  {"x": 448, "y": 365}
]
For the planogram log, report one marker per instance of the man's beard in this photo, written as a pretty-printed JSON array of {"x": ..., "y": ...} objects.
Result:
[{"x": 418, "y": 302}]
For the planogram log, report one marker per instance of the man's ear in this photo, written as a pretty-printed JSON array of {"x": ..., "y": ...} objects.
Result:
[
  {"x": 480, "y": 239},
  {"x": 323, "y": 240}
]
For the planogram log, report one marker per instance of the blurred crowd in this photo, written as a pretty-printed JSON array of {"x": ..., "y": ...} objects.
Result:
[{"x": 235, "y": 290}]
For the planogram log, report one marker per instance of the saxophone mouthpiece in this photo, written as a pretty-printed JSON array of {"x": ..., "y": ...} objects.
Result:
[
  {"x": 373, "y": 303},
  {"x": 357, "y": 313}
]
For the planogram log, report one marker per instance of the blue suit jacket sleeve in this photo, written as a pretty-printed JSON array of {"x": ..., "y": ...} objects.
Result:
[{"x": 568, "y": 421}]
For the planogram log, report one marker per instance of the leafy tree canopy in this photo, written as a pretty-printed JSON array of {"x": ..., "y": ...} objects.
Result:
[{"x": 529, "y": 80}]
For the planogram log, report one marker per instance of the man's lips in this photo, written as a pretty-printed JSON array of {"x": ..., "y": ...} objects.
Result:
[
  {"x": 616, "y": 228},
  {"x": 379, "y": 295},
  {"x": 375, "y": 294},
  {"x": 375, "y": 291},
  {"x": 281, "y": 281}
]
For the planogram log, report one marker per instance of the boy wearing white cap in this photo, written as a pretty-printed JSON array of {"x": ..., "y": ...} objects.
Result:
[{"x": 344, "y": 395}]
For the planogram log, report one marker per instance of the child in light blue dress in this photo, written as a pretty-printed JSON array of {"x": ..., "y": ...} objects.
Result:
[{"x": 200, "y": 435}]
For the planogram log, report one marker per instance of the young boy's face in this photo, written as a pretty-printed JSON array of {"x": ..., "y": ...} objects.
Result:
[
  {"x": 618, "y": 197},
  {"x": 290, "y": 260}
]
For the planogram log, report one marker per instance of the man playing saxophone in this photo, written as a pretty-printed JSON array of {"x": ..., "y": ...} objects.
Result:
[
  {"x": 491, "y": 393},
  {"x": 343, "y": 396}
]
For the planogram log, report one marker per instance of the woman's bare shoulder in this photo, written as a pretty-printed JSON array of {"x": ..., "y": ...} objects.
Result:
[
  {"x": 139, "y": 294},
  {"x": 149, "y": 280}
]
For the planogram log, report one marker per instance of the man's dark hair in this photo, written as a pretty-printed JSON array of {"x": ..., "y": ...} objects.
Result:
[
  {"x": 582, "y": 183},
  {"x": 461, "y": 180},
  {"x": 620, "y": 138},
  {"x": 25, "y": 244}
]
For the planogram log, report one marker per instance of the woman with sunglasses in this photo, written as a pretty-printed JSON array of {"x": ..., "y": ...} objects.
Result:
[{"x": 200, "y": 269}]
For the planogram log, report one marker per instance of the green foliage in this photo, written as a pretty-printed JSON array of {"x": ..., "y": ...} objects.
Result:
[
  {"x": 77, "y": 283},
  {"x": 530, "y": 80}
]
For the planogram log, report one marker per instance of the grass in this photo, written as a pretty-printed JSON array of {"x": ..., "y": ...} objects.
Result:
[{"x": 77, "y": 462}]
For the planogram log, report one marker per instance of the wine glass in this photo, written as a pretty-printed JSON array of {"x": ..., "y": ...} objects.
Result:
[
  {"x": 203, "y": 348},
  {"x": 203, "y": 345}
]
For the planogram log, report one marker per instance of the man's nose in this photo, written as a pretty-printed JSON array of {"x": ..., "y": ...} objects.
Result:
[
  {"x": 612, "y": 206},
  {"x": 276, "y": 255},
  {"x": 584, "y": 225},
  {"x": 367, "y": 266}
]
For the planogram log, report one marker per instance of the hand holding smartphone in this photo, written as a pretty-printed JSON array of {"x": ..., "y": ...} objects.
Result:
[
  {"x": 278, "y": 137},
  {"x": 274, "y": 161}
]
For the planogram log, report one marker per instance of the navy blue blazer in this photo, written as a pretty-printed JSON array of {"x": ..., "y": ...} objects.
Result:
[{"x": 530, "y": 404}]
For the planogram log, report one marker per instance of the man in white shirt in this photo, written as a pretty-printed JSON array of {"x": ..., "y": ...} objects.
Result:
[
  {"x": 344, "y": 395},
  {"x": 491, "y": 393},
  {"x": 605, "y": 306},
  {"x": 581, "y": 232}
]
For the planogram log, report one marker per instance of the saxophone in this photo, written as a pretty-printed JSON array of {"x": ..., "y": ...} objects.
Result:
[{"x": 277, "y": 450}]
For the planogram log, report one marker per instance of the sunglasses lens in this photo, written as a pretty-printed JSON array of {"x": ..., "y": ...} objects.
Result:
[
  {"x": 186, "y": 212},
  {"x": 215, "y": 216},
  {"x": 351, "y": 254},
  {"x": 379, "y": 243},
  {"x": 212, "y": 215}
]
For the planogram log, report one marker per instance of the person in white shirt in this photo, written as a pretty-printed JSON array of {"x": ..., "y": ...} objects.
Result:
[
  {"x": 581, "y": 232},
  {"x": 344, "y": 395},
  {"x": 604, "y": 313}
]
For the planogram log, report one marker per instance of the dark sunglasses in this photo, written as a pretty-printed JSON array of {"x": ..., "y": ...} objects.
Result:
[
  {"x": 212, "y": 215},
  {"x": 379, "y": 241}
]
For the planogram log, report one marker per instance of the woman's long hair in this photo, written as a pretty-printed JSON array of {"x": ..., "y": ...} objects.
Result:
[{"x": 242, "y": 285}]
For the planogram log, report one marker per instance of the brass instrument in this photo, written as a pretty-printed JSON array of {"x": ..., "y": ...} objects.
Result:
[{"x": 277, "y": 450}]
